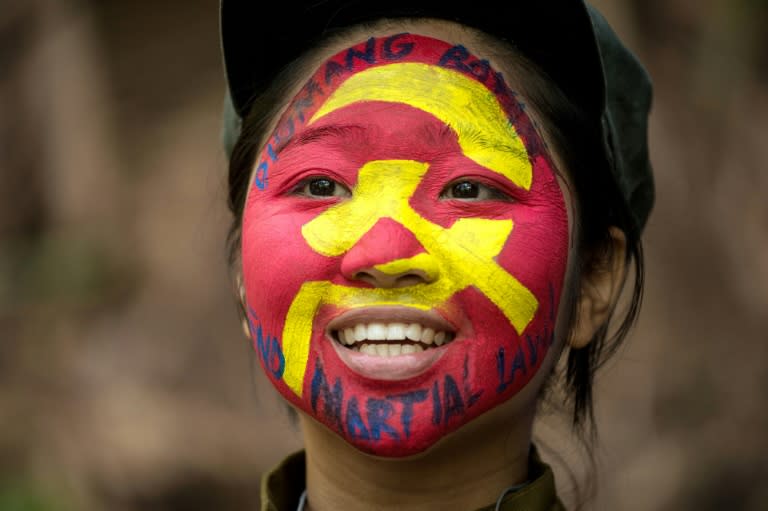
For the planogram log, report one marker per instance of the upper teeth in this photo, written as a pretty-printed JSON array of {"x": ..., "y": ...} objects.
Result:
[{"x": 415, "y": 332}]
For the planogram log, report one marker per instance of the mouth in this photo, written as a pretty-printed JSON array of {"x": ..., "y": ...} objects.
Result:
[
  {"x": 391, "y": 339},
  {"x": 393, "y": 342}
]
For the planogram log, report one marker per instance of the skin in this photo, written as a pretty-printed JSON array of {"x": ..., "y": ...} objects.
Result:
[{"x": 469, "y": 466}]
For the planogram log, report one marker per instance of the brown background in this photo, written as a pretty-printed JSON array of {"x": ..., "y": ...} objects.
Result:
[{"x": 125, "y": 381}]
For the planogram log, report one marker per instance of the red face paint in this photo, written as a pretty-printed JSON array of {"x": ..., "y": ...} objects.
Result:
[{"x": 359, "y": 217}]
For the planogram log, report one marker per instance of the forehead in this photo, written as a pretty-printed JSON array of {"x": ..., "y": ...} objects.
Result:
[
  {"x": 482, "y": 56},
  {"x": 434, "y": 71}
]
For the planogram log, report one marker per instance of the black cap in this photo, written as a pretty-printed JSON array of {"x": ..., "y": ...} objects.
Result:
[{"x": 568, "y": 39}]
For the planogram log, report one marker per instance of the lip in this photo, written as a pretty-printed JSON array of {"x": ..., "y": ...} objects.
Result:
[{"x": 397, "y": 368}]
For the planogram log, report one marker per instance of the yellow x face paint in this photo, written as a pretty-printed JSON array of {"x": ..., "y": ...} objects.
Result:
[{"x": 404, "y": 245}]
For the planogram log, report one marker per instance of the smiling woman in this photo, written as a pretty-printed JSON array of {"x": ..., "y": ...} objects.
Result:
[{"x": 426, "y": 216}]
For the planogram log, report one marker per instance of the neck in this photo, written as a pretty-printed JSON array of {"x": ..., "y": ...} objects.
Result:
[{"x": 467, "y": 470}]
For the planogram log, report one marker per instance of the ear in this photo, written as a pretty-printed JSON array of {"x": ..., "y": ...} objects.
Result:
[
  {"x": 243, "y": 304},
  {"x": 601, "y": 283}
]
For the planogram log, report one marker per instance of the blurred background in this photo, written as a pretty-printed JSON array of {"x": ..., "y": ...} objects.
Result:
[{"x": 125, "y": 381}]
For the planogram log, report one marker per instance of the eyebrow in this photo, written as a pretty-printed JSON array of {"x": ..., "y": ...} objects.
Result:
[
  {"x": 436, "y": 135},
  {"x": 470, "y": 133},
  {"x": 333, "y": 133},
  {"x": 357, "y": 134}
]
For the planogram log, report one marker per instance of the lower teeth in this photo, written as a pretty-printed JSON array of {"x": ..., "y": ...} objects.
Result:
[{"x": 388, "y": 350}]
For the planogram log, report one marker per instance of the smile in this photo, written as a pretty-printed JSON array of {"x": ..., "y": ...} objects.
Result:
[
  {"x": 392, "y": 342},
  {"x": 391, "y": 339}
]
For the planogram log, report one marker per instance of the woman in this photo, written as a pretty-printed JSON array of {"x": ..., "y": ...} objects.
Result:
[{"x": 432, "y": 205}]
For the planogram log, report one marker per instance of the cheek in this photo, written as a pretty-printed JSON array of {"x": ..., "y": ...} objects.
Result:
[
  {"x": 276, "y": 259},
  {"x": 536, "y": 254},
  {"x": 537, "y": 249}
]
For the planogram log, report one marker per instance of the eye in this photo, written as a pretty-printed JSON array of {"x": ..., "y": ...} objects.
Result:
[
  {"x": 322, "y": 187},
  {"x": 472, "y": 191}
]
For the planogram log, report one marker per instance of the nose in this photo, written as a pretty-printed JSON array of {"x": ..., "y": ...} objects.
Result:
[{"x": 388, "y": 256}]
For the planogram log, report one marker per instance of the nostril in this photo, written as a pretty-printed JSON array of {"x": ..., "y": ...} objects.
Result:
[
  {"x": 379, "y": 278},
  {"x": 366, "y": 277},
  {"x": 410, "y": 279}
]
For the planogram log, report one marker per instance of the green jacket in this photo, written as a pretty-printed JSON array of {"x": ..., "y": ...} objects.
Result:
[{"x": 282, "y": 487}]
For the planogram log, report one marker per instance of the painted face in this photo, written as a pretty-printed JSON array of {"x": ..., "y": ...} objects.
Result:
[{"x": 404, "y": 245}]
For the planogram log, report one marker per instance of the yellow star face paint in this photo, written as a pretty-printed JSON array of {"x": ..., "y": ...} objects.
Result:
[{"x": 404, "y": 245}]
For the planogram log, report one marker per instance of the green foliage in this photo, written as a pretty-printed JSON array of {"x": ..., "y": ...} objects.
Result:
[{"x": 24, "y": 495}]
